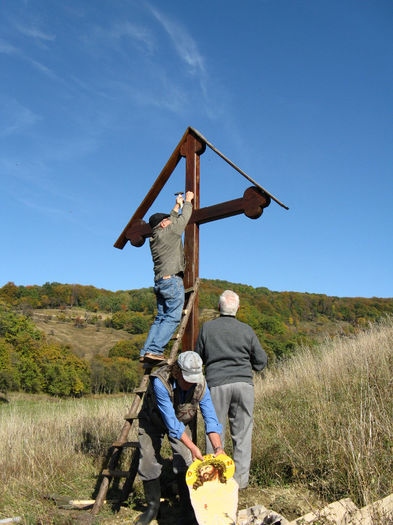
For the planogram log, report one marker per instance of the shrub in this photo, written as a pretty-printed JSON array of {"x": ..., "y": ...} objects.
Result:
[
  {"x": 64, "y": 373},
  {"x": 132, "y": 322},
  {"x": 112, "y": 375},
  {"x": 128, "y": 348}
]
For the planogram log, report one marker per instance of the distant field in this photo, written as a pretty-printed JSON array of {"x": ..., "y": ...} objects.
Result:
[{"x": 86, "y": 341}]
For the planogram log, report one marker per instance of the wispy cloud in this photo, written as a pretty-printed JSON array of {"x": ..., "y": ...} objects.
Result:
[
  {"x": 76, "y": 217},
  {"x": 35, "y": 33},
  {"x": 15, "y": 117},
  {"x": 7, "y": 49},
  {"x": 214, "y": 94},
  {"x": 138, "y": 33},
  {"x": 43, "y": 209},
  {"x": 161, "y": 93},
  {"x": 28, "y": 177},
  {"x": 43, "y": 69},
  {"x": 88, "y": 87},
  {"x": 118, "y": 33},
  {"x": 185, "y": 45},
  {"x": 72, "y": 148}
]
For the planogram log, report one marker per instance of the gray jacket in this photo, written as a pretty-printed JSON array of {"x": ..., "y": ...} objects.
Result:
[
  {"x": 166, "y": 244},
  {"x": 230, "y": 351}
]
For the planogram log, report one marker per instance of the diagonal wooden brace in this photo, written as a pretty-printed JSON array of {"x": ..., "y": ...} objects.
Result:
[{"x": 251, "y": 204}]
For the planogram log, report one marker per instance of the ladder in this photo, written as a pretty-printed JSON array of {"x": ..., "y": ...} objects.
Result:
[{"x": 109, "y": 471}]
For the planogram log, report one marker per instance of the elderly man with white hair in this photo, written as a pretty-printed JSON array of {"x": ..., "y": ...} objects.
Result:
[{"x": 231, "y": 351}]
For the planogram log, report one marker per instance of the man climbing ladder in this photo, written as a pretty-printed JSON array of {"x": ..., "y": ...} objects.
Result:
[{"x": 168, "y": 258}]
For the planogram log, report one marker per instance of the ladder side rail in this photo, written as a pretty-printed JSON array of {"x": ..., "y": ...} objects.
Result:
[
  {"x": 128, "y": 484},
  {"x": 184, "y": 321},
  {"x": 111, "y": 466},
  {"x": 117, "y": 450},
  {"x": 134, "y": 408}
]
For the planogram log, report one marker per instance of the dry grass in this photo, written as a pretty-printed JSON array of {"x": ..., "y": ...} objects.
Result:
[
  {"x": 322, "y": 421},
  {"x": 326, "y": 418},
  {"x": 49, "y": 446}
]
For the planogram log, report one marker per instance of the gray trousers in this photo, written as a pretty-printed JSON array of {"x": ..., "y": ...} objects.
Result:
[
  {"x": 235, "y": 401},
  {"x": 150, "y": 441}
]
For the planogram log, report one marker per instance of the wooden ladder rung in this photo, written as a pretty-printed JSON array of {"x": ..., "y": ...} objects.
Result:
[
  {"x": 140, "y": 390},
  {"x": 116, "y": 473},
  {"x": 151, "y": 365},
  {"x": 119, "y": 444},
  {"x": 132, "y": 415}
]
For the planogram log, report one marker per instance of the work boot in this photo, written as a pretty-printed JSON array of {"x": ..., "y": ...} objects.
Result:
[
  {"x": 187, "y": 515},
  {"x": 152, "y": 492},
  {"x": 153, "y": 358}
]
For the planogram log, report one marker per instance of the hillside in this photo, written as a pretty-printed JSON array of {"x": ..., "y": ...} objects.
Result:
[
  {"x": 66, "y": 357},
  {"x": 71, "y": 339},
  {"x": 282, "y": 320},
  {"x": 70, "y": 328}
]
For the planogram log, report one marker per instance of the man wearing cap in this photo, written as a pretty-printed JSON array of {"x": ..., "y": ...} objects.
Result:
[
  {"x": 231, "y": 351},
  {"x": 169, "y": 408},
  {"x": 168, "y": 258}
]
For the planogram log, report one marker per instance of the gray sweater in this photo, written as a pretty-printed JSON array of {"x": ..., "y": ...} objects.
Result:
[
  {"x": 230, "y": 351},
  {"x": 166, "y": 244}
]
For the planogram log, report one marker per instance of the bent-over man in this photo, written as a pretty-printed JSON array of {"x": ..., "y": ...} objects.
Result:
[
  {"x": 230, "y": 351},
  {"x": 170, "y": 406}
]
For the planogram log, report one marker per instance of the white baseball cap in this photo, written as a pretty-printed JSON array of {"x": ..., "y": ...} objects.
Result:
[{"x": 190, "y": 364}]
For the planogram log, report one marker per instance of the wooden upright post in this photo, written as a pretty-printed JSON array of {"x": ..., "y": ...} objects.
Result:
[{"x": 191, "y": 150}]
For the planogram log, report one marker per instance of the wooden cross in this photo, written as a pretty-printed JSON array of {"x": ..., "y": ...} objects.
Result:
[{"x": 252, "y": 204}]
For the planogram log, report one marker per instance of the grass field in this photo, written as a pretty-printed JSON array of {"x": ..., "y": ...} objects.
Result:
[
  {"x": 323, "y": 430},
  {"x": 326, "y": 418}
]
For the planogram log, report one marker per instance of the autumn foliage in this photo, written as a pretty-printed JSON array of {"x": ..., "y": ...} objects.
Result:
[
  {"x": 30, "y": 363},
  {"x": 283, "y": 321}
]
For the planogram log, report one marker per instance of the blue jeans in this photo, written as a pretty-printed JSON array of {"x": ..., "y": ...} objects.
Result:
[{"x": 170, "y": 301}]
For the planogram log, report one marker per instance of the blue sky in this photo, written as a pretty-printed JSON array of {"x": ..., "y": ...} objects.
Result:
[{"x": 95, "y": 96}]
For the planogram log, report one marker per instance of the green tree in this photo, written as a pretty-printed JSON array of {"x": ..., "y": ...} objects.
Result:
[
  {"x": 111, "y": 375},
  {"x": 132, "y": 322},
  {"x": 9, "y": 379},
  {"x": 31, "y": 378},
  {"x": 128, "y": 348}
]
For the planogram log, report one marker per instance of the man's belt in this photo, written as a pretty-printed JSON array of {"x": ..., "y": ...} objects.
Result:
[{"x": 178, "y": 274}]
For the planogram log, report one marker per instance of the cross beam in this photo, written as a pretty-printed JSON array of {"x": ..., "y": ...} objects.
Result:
[{"x": 251, "y": 204}]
